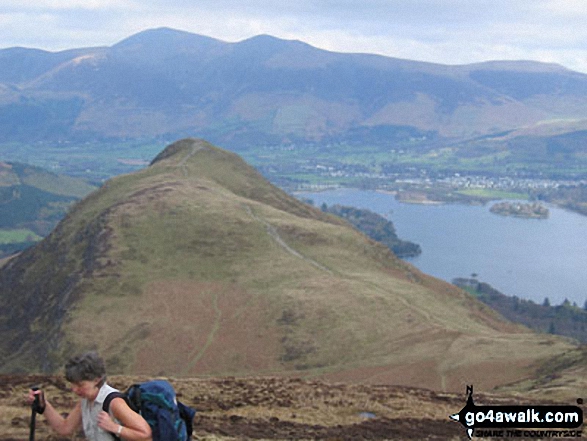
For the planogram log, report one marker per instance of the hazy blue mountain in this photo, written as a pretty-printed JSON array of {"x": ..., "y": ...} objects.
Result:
[{"x": 164, "y": 82}]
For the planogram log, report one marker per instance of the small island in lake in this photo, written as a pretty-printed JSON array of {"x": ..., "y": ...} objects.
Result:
[{"x": 521, "y": 209}]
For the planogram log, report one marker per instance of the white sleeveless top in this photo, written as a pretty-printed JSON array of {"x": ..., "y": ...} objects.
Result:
[{"x": 90, "y": 412}]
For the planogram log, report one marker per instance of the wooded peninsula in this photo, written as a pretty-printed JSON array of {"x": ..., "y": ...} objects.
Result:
[{"x": 520, "y": 209}]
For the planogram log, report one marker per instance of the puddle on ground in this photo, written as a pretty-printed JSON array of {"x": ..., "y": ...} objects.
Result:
[{"x": 367, "y": 415}]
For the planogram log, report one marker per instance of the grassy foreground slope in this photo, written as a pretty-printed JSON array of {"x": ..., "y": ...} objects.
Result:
[{"x": 197, "y": 265}]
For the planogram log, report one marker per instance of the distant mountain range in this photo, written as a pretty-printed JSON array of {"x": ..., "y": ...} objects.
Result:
[
  {"x": 197, "y": 265},
  {"x": 167, "y": 83}
]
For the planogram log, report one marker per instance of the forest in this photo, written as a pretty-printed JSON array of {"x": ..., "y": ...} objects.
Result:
[
  {"x": 567, "y": 319},
  {"x": 375, "y": 227}
]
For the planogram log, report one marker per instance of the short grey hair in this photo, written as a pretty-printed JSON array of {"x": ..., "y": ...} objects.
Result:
[{"x": 85, "y": 367}]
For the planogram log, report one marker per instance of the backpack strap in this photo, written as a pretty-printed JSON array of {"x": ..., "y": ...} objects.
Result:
[
  {"x": 106, "y": 406},
  {"x": 187, "y": 414},
  {"x": 110, "y": 397}
]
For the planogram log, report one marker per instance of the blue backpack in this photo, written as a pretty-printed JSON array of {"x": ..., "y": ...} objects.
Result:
[{"x": 170, "y": 420}]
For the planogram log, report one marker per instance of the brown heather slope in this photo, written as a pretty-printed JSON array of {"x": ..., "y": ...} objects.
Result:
[
  {"x": 274, "y": 408},
  {"x": 198, "y": 266},
  {"x": 266, "y": 408}
]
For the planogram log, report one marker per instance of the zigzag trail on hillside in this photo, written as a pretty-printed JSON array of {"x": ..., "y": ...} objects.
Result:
[
  {"x": 442, "y": 369},
  {"x": 269, "y": 228},
  {"x": 211, "y": 336},
  {"x": 217, "y": 312},
  {"x": 195, "y": 148},
  {"x": 272, "y": 233},
  {"x": 279, "y": 240}
]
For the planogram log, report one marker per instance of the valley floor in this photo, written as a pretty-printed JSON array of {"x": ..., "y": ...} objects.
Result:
[{"x": 272, "y": 409}]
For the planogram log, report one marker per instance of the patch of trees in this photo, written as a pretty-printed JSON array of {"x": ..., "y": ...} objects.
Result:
[
  {"x": 375, "y": 227},
  {"x": 25, "y": 204},
  {"x": 519, "y": 209},
  {"x": 566, "y": 319},
  {"x": 571, "y": 197}
]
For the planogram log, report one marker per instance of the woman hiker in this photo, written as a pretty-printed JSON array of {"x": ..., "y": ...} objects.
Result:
[{"x": 87, "y": 376}]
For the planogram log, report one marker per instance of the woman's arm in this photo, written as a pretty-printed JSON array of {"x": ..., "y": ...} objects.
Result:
[
  {"x": 132, "y": 427},
  {"x": 63, "y": 426}
]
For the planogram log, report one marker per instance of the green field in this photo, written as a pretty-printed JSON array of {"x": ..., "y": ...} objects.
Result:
[
  {"x": 101, "y": 160},
  {"x": 18, "y": 236},
  {"x": 493, "y": 194},
  {"x": 94, "y": 162}
]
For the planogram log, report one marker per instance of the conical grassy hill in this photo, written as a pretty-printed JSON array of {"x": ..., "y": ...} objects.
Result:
[{"x": 197, "y": 265}]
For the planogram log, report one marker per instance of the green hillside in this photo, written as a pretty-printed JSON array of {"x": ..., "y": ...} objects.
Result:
[
  {"x": 32, "y": 201},
  {"x": 197, "y": 265}
]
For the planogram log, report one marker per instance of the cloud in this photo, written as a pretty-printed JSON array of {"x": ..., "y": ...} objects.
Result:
[
  {"x": 60, "y": 5},
  {"x": 566, "y": 8}
]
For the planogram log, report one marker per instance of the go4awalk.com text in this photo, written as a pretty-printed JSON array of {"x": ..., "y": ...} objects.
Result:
[
  {"x": 517, "y": 433},
  {"x": 532, "y": 421}
]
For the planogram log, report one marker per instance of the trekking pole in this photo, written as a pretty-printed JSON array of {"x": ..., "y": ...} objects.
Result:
[{"x": 36, "y": 404}]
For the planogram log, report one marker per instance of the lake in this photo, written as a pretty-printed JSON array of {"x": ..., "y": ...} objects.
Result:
[{"x": 528, "y": 258}]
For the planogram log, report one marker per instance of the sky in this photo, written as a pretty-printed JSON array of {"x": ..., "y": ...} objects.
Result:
[{"x": 438, "y": 31}]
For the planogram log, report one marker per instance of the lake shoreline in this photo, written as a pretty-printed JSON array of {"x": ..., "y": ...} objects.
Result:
[{"x": 528, "y": 258}]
